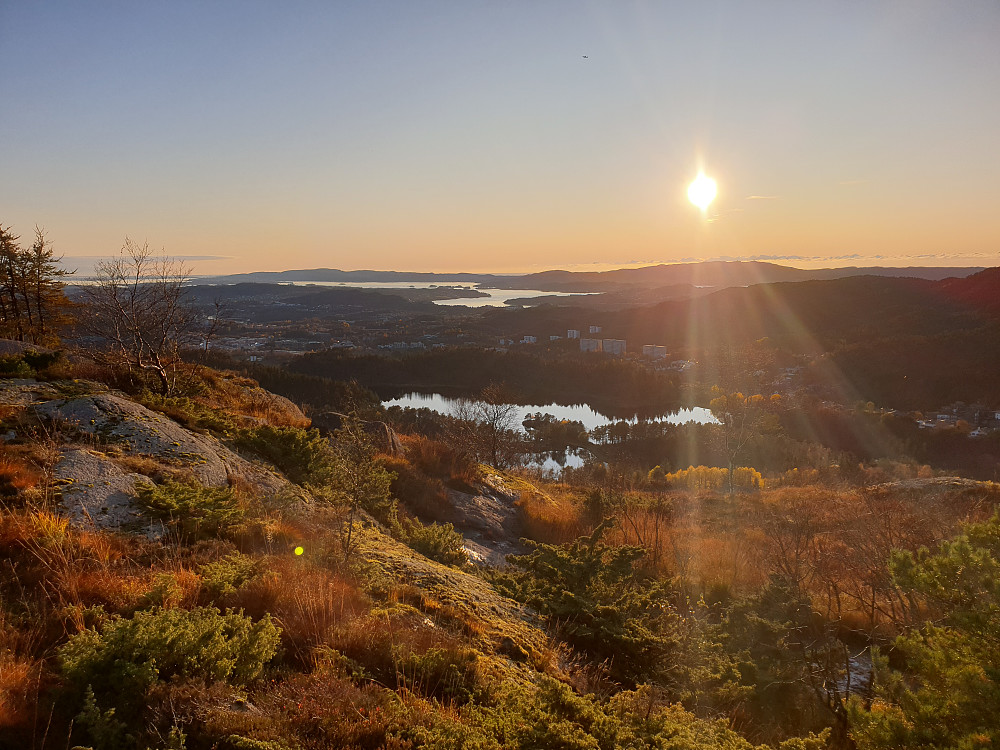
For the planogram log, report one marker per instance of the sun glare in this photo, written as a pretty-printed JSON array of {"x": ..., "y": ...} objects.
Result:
[{"x": 702, "y": 191}]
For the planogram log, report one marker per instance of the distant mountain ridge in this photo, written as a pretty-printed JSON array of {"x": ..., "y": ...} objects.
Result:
[
  {"x": 723, "y": 274},
  {"x": 716, "y": 274}
]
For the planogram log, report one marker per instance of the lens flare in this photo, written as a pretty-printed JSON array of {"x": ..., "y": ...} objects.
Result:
[
  {"x": 702, "y": 191},
  {"x": 299, "y": 550}
]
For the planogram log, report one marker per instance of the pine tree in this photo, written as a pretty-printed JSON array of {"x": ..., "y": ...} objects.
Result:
[{"x": 32, "y": 302}]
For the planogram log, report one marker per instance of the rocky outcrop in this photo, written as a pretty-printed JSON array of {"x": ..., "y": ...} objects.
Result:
[
  {"x": 489, "y": 521},
  {"x": 382, "y": 436},
  {"x": 119, "y": 420},
  {"x": 495, "y": 622},
  {"x": 9, "y": 347},
  {"x": 96, "y": 486},
  {"x": 25, "y": 391},
  {"x": 95, "y": 491}
]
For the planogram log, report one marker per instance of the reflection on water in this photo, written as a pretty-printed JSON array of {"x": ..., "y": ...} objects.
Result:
[
  {"x": 556, "y": 461},
  {"x": 500, "y": 297},
  {"x": 582, "y": 413}
]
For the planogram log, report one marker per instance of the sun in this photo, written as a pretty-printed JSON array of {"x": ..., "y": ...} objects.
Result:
[{"x": 702, "y": 191}]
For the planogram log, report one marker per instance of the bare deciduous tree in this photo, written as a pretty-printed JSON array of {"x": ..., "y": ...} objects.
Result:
[
  {"x": 492, "y": 427},
  {"x": 138, "y": 309}
]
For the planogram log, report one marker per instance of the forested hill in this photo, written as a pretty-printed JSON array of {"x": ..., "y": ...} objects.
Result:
[
  {"x": 807, "y": 316},
  {"x": 980, "y": 291},
  {"x": 898, "y": 341},
  {"x": 722, "y": 273}
]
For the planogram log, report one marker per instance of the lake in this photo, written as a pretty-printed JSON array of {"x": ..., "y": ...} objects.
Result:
[{"x": 582, "y": 413}]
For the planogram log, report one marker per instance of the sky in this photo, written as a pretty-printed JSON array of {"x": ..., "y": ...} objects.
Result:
[{"x": 506, "y": 135}]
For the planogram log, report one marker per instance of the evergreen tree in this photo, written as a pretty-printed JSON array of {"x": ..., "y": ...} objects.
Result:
[
  {"x": 32, "y": 301},
  {"x": 947, "y": 693}
]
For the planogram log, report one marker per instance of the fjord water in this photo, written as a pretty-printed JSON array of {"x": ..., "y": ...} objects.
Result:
[{"x": 492, "y": 298}]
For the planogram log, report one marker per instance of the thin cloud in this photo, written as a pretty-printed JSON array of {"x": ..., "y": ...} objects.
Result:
[
  {"x": 171, "y": 257},
  {"x": 763, "y": 197},
  {"x": 723, "y": 215}
]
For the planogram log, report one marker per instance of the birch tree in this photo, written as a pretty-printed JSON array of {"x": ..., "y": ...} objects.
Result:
[{"x": 139, "y": 313}]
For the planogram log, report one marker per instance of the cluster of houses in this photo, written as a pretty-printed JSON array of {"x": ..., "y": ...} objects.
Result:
[
  {"x": 587, "y": 344},
  {"x": 979, "y": 418},
  {"x": 608, "y": 346},
  {"x": 618, "y": 347}
]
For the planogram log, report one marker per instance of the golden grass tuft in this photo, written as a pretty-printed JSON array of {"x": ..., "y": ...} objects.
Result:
[
  {"x": 118, "y": 591},
  {"x": 422, "y": 495},
  {"x": 19, "y": 680},
  {"x": 437, "y": 459},
  {"x": 307, "y": 602},
  {"x": 156, "y": 469},
  {"x": 553, "y": 517},
  {"x": 44, "y": 528},
  {"x": 17, "y": 474}
]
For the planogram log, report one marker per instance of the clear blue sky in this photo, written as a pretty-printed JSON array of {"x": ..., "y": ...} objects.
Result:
[{"x": 475, "y": 135}]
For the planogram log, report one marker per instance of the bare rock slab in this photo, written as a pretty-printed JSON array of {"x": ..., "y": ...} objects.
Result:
[
  {"x": 119, "y": 420},
  {"x": 95, "y": 491}
]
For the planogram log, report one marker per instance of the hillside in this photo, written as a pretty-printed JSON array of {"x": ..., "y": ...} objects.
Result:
[
  {"x": 205, "y": 569},
  {"x": 980, "y": 291},
  {"x": 118, "y": 515}
]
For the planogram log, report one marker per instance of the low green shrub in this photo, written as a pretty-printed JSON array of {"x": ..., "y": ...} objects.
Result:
[
  {"x": 439, "y": 542},
  {"x": 191, "y": 508},
  {"x": 304, "y": 456},
  {"x": 551, "y": 715},
  {"x": 189, "y": 412},
  {"x": 14, "y": 366},
  {"x": 31, "y": 364},
  {"x": 111, "y": 669},
  {"x": 443, "y": 673},
  {"x": 601, "y": 603},
  {"x": 228, "y": 575}
]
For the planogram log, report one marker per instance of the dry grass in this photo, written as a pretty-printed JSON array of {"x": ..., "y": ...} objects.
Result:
[
  {"x": 401, "y": 650},
  {"x": 18, "y": 472},
  {"x": 111, "y": 376},
  {"x": 551, "y": 517},
  {"x": 103, "y": 548},
  {"x": 308, "y": 602},
  {"x": 41, "y": 528},
  {"x": 21, "y": 673},
  {"x": 242, "y": 396},
  {"x": 421, "y": 494},
  {"x": 437, "y": 459},
  {"x": 116, "y": 591},
  {"x": 259, "y": 404},
  {"x": 9, "y": 410},
  {"x": 320, "y": 710},
  {"x": 19, "y": 683},
  {"x": 67, "y": 572},
  {"x": 459, "y": 621},
  {"x": 156, "y": 469}
]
